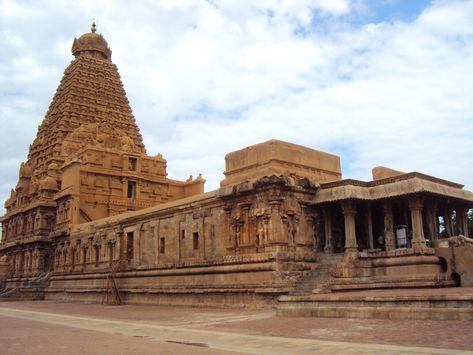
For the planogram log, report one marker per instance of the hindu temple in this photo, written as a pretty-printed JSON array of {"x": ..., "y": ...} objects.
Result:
[{"x": 94, "y": 218}]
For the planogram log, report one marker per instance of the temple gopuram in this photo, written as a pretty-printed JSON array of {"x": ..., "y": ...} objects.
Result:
[{"x": 94, "y": 218}]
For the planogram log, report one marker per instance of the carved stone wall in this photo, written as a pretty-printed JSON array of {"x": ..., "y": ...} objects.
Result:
[{"x": 268, "y": 216}]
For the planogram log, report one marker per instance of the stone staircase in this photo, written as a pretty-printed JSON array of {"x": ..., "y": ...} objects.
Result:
[
  {"x": 319, "y": 279},
  {"x": 30, "y": 289},
  {"x": 407, "y": 286}
]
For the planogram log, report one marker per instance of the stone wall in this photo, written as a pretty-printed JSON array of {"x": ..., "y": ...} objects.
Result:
[{"x": 250, "y": 240}]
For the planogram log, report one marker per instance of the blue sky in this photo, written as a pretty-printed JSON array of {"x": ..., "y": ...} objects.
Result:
[
  {"x": 395, "y": 10},
  {"x": 377, "y": 82}
]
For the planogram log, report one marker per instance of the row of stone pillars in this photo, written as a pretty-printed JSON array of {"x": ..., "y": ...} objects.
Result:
[{"x": 415, "y": 204}]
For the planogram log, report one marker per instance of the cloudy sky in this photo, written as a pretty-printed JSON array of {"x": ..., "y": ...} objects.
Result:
[{"x": 379, "y": 82}]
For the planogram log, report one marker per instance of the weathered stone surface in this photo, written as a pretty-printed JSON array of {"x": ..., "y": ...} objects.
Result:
[
  {"x": 382, "y": 172},
  {"x": 275, "y": 157}
]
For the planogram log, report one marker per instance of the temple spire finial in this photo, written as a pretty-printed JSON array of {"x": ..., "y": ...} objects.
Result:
[{"x": 94, "y": 27}]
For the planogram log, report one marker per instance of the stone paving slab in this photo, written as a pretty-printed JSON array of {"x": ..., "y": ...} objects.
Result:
[{"x": 187, "y": 330}]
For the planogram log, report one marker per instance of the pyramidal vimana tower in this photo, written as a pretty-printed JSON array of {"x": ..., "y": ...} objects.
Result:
[
  {"x": 88, "y": 160},
  {"x": 93, "y": 217}
]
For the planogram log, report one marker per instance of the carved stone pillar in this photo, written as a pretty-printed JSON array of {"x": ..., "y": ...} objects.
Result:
[
  {"x": 447, "y": 221},
  {"x": 328, "y": 248},
  {"x": 431, "y": 219},
  {"x": 369, "y": 227},
  {"x": 306, "y": 226},
  {"x": 418, "y": 239},
  {"x": 349, "y": 212},
  {"x": 388, "y": 227},
  {"x": 462, "y": 221}
]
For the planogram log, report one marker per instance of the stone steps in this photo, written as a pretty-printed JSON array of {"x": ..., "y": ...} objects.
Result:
[
  {"x": 383, "y": 282},
  {"x": 318, "y": 279}
]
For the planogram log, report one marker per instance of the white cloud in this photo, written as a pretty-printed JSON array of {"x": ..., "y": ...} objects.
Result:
[{"x": 205, "y": 78}]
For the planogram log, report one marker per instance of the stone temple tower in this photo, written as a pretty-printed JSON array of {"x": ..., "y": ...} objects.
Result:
[{"x": 87, "y": 161}]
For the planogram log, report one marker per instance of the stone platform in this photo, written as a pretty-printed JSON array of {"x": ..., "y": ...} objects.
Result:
[{"x": 422, "y": 303}]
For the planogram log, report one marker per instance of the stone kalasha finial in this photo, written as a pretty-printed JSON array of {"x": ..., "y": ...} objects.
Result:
[{"x": 91, "y": 43}]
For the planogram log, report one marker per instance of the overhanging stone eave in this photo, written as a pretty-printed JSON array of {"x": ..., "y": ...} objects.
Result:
[{"x": 395, "y": 189}]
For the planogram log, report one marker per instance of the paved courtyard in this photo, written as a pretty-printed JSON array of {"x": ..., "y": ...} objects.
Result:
[{"x": 75, "y": 328}]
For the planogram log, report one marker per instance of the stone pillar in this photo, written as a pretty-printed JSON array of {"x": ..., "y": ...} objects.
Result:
[
  {"x": 306, "y": 230},
  {"x": 418, "y": 239},
  {"x": 369, "y": 227},
  {"x": 349, "y": 212},
  {"x": 431, "y": 219},
  {"x": 388, "y": 227},
  {"x": 328, "y": 248},
  {"x": 447, "y": 221},
  {"x": 462, "y": 221}
]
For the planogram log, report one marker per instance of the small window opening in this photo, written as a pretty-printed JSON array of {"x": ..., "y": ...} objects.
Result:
[
  {"x": 183, "y": 234},
  {"x": 97, "y": 254},
  {"x": 195, "y": 236},
  {"x": 110, "y": 253},
  {"x": 131, "y": 189},
  {"x": 162, "y": 245}
]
